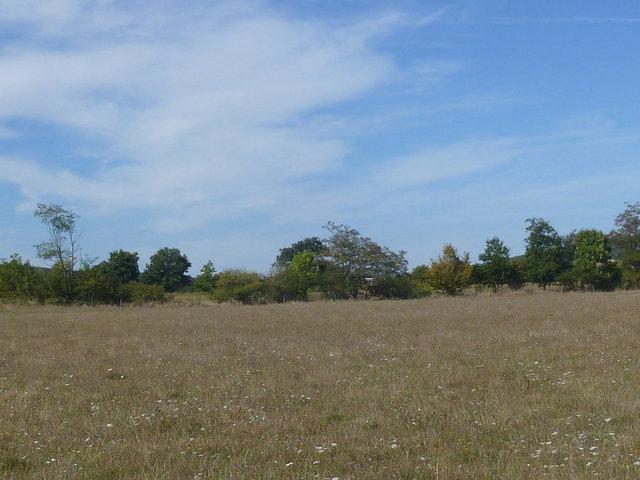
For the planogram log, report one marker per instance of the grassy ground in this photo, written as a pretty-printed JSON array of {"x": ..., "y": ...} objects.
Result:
[{"x": 522, "y": 386}]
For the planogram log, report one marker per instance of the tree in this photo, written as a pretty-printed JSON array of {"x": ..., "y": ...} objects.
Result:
[
  {"x": 61, "y": 248},
  {"x": 123, "y": 266},
  {"x": 496, "y": 268},
  {"x": 296, "y": 280},
  {"x": 420, "y": 281},
  {"x": 450, "y": 273},
  {"x": 309, "y": 244},
  {"x": 625, "y": 242},
  {"x": 543, "y": 258},
  {"x": 333, "y": 282},
  {"x": 168, "y": 268},
  {"x": 593, "y": 265},
  {"x": 517, "y": 279},
  {"x": 20, "y": 281},
  {"x": 304, "y": 273},
  {"x": 306, "y": 266},
  {"x": 206, "y": 281},
  {"x": 359, "y": 258},
  {"x": 625, "y": 239}
]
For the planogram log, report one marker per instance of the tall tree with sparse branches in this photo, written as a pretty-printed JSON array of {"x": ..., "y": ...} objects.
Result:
[
  {"x": 359, "y": 257},
  {"x": 62, "y": 248}
]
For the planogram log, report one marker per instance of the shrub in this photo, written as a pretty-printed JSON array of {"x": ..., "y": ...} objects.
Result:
[
  {"x": 567, "y": 280},
  {"x": 630, "y": 279},
  {"x": 98, "y": 285},
  {"x": 392, "y": 287},
  {"x": 20, "y": 281},
  {"x": 140, "y": 293},
  {"x": 420, "y": 282},
  {"x": 241, "y": 286},
  {"x": 287, "y": 285}
]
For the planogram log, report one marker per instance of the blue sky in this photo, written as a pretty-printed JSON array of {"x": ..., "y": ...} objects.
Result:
[{"x": 232, "y": 129}]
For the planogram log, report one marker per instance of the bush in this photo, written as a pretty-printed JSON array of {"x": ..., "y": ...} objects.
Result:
[
  {"x": 62, "y": 283},
  {"x": 98, "y": 285},
  {"x": 333, "y": 283},
  {"x": 241, "y": 286},
  {"x": 392, "y": 287},
  {"x": 19, "y": 281},
  {"x": 287, "y": 285},
  {"x": 567, "y": 280},
  {"x": 420, "y": 282},
  {"x": 140, "y": 293},
  {"x": 630, "y": 279}
]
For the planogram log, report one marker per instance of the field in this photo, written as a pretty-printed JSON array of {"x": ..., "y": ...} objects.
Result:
[{"x": 513, "y": 386}]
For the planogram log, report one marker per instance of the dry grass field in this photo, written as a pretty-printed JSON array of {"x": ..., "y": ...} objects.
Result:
[{"x": 510, "y": 387}]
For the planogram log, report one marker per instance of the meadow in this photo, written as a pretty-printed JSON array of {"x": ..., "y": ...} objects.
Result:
[{"x": 508, "y": 386}]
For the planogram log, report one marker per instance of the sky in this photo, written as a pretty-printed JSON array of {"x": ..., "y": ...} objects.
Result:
[{"x": 231, "y": 129}]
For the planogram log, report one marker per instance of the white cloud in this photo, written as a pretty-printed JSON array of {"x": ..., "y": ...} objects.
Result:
[
  {"x": 202, "y": 111},
  {"x": 441, "y": 163}
]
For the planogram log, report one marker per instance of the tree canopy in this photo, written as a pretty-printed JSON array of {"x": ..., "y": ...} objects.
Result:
[
  {"x": 593, "y": 266},
  {"x": 359, "y": 257},
  {"x": 309, "y": 244},
  {"x": 543, "y": 253},
  {"x": 346, "y": 264},
  {"x": 167, "y": 267},
  {"x": 496, "y": 268},
  {"x": 450, "y": 273}
]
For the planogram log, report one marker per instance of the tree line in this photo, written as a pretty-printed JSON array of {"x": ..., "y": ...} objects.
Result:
[{"x": 343, "y": 265}]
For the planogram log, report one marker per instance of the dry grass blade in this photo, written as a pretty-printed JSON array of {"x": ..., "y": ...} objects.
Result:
[{"x": 538, "y": 386}]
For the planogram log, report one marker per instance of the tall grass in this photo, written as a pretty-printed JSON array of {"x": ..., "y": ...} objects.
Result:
[{"x": 515, "y": 386}]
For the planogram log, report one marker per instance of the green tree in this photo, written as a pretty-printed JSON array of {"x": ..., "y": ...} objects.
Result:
[
  {"x": 517, "y": 279},
  {"x": 123, "y": 266},
  {"x": 301, "y": 275},
  {"x": 593, "y": 265},
  {"x": 496, "y": 268},
  {"x": 625, "y": 238},
  {"x": 450, "y": 273},
  {"x": 625, "y": 242},
  {"x": 206, "y": 281},
  {"x": 20, "y": 281},
  {"x": 167, "y": 267},
  {"x": 359, "y": 258},
  {"x": 543, "y": 258},
  {"x": 62, "y": 247},
  {"x": 420, "y": 281},
  {"x": 333, "y": 282},
  {"x": 306, "y": 266},
  {"x": 310, "y": 244}
]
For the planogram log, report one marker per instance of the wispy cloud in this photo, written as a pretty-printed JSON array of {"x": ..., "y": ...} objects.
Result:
[
  {"x": 442, "y": 163},
  {"x": 563, "y": 20},
  {"x": 201, "y": 112}
]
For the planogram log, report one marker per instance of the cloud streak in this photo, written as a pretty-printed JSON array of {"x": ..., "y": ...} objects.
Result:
[{"x": 196, "y": 116}]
